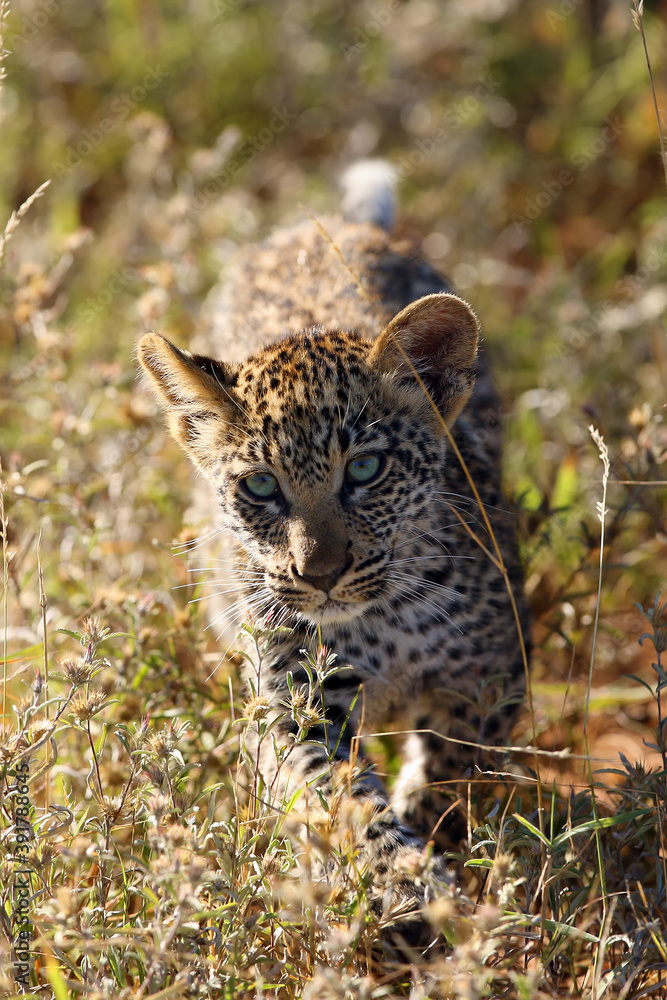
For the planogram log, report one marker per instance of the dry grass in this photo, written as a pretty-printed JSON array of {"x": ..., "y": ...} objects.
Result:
[{"x": 154, "y": 869}]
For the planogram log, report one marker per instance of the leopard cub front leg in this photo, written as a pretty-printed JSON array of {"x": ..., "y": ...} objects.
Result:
[
  {"x": 452, "y": 739},
  {"x": 311, "y": 747}
]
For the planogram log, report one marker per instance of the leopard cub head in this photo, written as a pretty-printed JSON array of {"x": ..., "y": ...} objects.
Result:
[{"x": 325, "y": 449}]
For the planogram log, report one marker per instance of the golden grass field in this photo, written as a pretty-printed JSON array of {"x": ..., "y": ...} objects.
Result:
[{"x": 133, "y": 861}]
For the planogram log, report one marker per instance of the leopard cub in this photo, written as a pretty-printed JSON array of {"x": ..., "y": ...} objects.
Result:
[{"x": 348, "y": 514}]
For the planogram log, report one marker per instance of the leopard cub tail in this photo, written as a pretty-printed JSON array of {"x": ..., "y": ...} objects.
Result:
[{"x": 369, "y": 193}]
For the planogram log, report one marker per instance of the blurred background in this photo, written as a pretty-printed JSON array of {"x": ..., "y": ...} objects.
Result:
[{"x": 526, "y": 143}]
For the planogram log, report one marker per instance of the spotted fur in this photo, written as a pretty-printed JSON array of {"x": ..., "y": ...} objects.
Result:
[{"x": 400, "y": 589}]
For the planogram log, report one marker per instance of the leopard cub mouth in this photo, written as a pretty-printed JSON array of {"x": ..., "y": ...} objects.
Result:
[
  {"x": 334, "y": 610},
  {"x": 322, "y": 608}
]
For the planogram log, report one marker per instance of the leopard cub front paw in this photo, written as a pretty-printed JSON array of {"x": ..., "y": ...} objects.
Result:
[{"x": 407, "y": 879}]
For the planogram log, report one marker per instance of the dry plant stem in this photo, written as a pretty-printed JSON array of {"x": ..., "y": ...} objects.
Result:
[
  {"x": 350, "y": 270},
  {"x": 4, "y": 10},
  {"x": 498, "y": 561},
  {"x": 490, "y": 748},
  {"x": 164, "y": 947},
  {"x": 599, "y": 957},
  {"x": 656, "y": 940},
  {"x": 15, "y": 217},
  {"x": 43, "y": 604},
  {"x": 255, "y": 777},
  {"x": 96, "y": 763},
  {"x": 458, "y": 802},
  {"x": 661, "y": 831},
  {"x": 638, "y": 19},
  {"x": 500, "y": 564},
  {"x": 602, "y": 510}
]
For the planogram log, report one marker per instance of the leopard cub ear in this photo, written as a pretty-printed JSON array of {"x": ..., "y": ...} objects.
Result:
[
  {"x": 437, "y": 337},
  {"x": 196, "y": 392}
]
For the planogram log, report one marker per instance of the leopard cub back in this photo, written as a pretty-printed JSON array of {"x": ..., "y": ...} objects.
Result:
[{"x": 345, "y": 503}]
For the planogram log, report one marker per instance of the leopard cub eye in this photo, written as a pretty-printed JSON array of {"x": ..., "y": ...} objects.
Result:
[
  {"x": 364, "y": 468},
  {"x": 261, "y": 485}
]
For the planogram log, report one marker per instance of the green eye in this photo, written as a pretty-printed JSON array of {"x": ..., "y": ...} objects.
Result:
[
  {"x": 364, "y": 468},
  {"x": 261, "y": 484}
]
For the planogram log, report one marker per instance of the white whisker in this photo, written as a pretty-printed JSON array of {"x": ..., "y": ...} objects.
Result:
[
  {"x": 430, "y": 585},
  {"x": 431, "y": 535},
  {"x": 356, "y": 419},
  {"x": 208, "y": 597},
  {"x": 419, "y": 559},
  {"x": 470, "y": 500},
  {"x": 415, "y": 597},
  {"x": 194, "y": 543}
]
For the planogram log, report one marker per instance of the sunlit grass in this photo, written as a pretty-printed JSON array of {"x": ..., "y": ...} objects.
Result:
[{"x": 155, "y": 870}]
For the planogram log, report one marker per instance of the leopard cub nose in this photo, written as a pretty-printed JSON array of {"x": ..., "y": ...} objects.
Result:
[{"x": 324, "y": 581}]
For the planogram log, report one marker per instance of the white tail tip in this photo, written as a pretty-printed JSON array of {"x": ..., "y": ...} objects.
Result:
[{"x": 368, "y": 193}]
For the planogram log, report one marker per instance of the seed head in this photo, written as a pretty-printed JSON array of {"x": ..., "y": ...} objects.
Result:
[
  {"x": 85, "y": 706},
  {"x": 158, "y": 806},
  {"x": 503, "y": 865},
  {"x": 311, "y": 715},
  {"x": 441, "y": 910},
  {"x": 155, "y": 773},
  {"x": 112, "y": 808},
  {"x": 40, "y": 728},
  {"x": 13, "y": 745},
  {"x": 413, "y": 862},
  {"x": 40, "y": 856},
  {"x": 161, "y": 744},
  {"x": 77, "y": 671},
  {"x": 93, "y": 630},
  {"x": 256, "y": 708},
  {"x": 299, "y": 699},
  {"x": 66, "y": 899},
  {"x": 271, "y": 864},
  {"x": 178, "y": 834}
]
